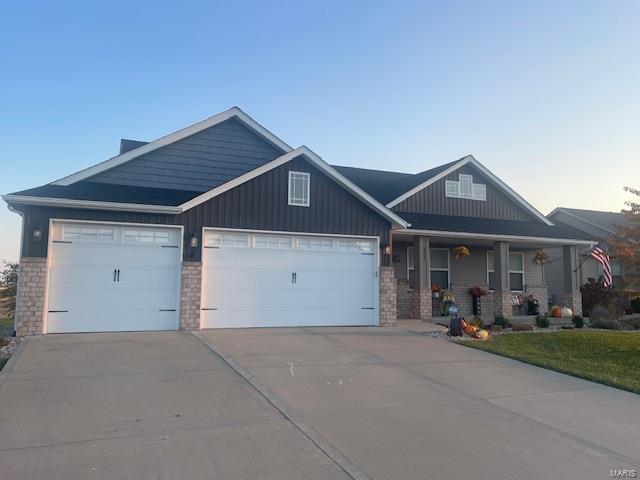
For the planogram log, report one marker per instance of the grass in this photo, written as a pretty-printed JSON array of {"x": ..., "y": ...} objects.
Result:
[
  {"x": 606, "y": 357},
  {"x": 6, "y": 322}
]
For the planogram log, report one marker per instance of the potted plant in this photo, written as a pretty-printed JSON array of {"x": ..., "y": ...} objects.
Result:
[
  {"x": 448, "y": 299},
  {"x": 476, "y": 293},
  {"x": 435, "y": 290},
  {"x": 540, "y": 257},
  {"x": 461, "y": 252}
]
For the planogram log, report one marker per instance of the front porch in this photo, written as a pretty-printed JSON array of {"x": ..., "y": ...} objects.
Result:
[{"x": 430, "y": 277}]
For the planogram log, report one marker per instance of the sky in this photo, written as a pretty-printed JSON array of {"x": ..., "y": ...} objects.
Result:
[{"x": 544, "y": 93}]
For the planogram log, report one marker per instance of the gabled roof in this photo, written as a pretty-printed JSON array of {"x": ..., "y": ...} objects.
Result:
[
  {"x": 392, "y": 188},
  {"x": 607, "y": 221},
  {"x": 234, "y": 112}
]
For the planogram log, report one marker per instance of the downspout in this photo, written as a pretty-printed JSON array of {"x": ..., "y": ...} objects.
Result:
[{"x": 14, "y": 210}]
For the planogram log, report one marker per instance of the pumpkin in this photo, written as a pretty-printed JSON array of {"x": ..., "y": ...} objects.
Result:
[
  {"x": 566, "y": 312},
  {"x": 470, "y": 330},
  {"x": 556, "y": 312},
  {"x": 482, "y": 335}
]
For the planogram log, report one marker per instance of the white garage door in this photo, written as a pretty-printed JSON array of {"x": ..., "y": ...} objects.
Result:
[
  {"x": 276, "y": 280},
  {"x": 105, "y": 277}
]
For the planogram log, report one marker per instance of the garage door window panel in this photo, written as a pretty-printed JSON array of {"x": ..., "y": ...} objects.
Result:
[{"x": 88, "y": 234}]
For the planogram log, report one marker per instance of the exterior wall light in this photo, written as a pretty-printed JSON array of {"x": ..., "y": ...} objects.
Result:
[
  {"x": 193, "y": 241},
  {"x": 37, "y": 234}
]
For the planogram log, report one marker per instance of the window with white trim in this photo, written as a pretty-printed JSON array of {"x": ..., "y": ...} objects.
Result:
[
  {"x": 272, "y": 241},
  {"x": 299, "y": 183},
  {"x": 465, "y": 188},
  {"x": 159, "y": 237},
  {"x": 315, "y": 244},
  {"x": 410, "y": 261},
  {"x": 88, "y": 234},
  {"x": 516, "y": 271},
  {"x": 227, "y": 240},
  {"x": 439, "y": 260},
  {"x": 362, "y": 246}
]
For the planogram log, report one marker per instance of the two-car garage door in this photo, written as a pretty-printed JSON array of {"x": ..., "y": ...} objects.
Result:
[{"x": 275, "y": 280}]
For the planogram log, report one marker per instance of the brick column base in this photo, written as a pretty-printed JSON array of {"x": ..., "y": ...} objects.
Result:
[
  {"x": 421, "y": 304},
  {"x": 190, "y": 292},
  {"x": 503, "y": 304},
  {"x": 388, "y": 302},
  {"x": 573, "y": 300},
  {"x": 32, "y": 288}
]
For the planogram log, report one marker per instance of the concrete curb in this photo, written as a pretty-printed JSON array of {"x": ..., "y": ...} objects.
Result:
[
  {"x": 346, "y": 465},
  {"x": 8, "y": 367}
]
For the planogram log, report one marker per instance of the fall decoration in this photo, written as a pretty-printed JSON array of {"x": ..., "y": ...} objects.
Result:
[
  {"x": 477, "y": 292},
  {"x": 556, "y": 311},
  {"x": 470, "y": 330},
  {"x": 482, "y": 335},
  {"x": 566, "y": 312},
  {"x": 460, "y": 252},
  {"x": 540, "y": 257},
  {"x": 435, "y": 288}
]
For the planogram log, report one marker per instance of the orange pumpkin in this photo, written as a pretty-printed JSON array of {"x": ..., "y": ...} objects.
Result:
[
  {"x": 470, "y": 330},
  {"x": 556, "y": 312}
]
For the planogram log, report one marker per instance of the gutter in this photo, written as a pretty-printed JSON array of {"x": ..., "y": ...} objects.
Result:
[
  {"x": 63, "y": 202},
  {"x": 496, "y": 237}
]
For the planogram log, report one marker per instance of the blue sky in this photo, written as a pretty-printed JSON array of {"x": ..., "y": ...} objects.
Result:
[{"x": 545, "y": 94}]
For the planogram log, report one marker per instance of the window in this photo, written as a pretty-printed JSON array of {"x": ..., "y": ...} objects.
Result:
[
  {"x": 146, "y": 236},
  {"x": 516, "y": 271},
  {"x": 362, "y": 246},
  {"x": 272, "y": 241},
  {"x": 616, "y": 272},
  {"x": 439, "y": 266},
  {"x": 409, "y": 262},
  {"x": 88, "y": 234},
  {"x": 315, "y": 244},
  {"x": 229, "y": 240},
  {"x": 465, "y": 188},
  {"x": 299, "y": 189}
]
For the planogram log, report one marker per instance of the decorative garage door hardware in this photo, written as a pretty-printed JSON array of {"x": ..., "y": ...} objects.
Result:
[
  {"x": 116, "y": 274},
  {"x": 62, "y": 241},
  {"x": 169, "y": 246},
  {"x": 166, "y": 309},
  {"x": 208, "y": 309},
  {"x": 58, "y": 311}
]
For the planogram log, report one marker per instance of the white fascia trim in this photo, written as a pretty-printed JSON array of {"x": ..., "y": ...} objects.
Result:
[
  {"x": 172, "y": 138},
  {"x": 579, "y": 218},
  {"x": 318, "y": 162},
  {"x": 483, "y": 169},
  {"x": 64, "y": 202},
  {"x": 495, "y": 237},
  {"x": 432, "y": 180}
]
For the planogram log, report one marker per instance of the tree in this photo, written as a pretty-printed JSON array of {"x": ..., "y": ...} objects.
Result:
[
  {"x": 625, "y": 242},
  {"x": 8, "y": 287}
]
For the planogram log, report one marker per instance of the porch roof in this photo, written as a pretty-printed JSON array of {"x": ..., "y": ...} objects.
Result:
[{"x": 486, "y": 227}]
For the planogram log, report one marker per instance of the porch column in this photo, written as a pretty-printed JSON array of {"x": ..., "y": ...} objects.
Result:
[
  {"x": 421, "y": 301},
  {"x": 502, "y": 292},
  {"x": 572, "y": 297}
]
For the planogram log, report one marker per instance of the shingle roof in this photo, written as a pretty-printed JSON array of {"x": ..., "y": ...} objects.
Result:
[
  {"x": 386, "y": 186},
  {"x": 445, "y": 223},
  {"x": 607, "y": 220},
  {"x": 104, "y": 192}
]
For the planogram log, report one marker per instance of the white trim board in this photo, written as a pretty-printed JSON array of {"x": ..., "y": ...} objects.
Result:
[
  {"x": 496, "y": 237},
  {"x": 234, "y": 112},
  {"x": 90, "y": 204},
  {"x": 464, "y": 161}
]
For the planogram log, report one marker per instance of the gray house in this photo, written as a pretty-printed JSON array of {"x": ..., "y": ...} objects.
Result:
[
  {"x": 222, "y": 224},
  {"x": 597, "y": 225}
]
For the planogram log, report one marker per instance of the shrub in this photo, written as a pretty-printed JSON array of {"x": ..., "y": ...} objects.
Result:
[
  {"x": 594, "y": 293},
  {"x": 495, "y": 328},
  {"x": 578, "y": 321},
  {"x": 522, "y": 328},
  {"x": 501, "y": 321},
  {"x": 604, "y": 318},
  {"x": 476, "y": 322},
  {"x": 542, "y": 321},
  {"x": 631, "y": 323},
  {"x": 3, "y": 341},
  {"x": 635, "y": 305}
]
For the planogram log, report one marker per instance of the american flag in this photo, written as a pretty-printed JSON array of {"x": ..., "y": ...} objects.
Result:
[{"x": 601, "y": 255}]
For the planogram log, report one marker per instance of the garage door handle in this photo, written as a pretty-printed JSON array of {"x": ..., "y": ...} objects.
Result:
[
  {"x": 114, "y": 274},
  {"x": 294, "y": 277},
  {"x": 118, "y": 275}
]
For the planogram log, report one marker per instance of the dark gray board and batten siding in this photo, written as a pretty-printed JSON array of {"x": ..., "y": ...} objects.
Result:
[
  {"x": 259, "y": 204},
  {"x": 432, "y": 199},
  {"x": 199, "y": 162}
]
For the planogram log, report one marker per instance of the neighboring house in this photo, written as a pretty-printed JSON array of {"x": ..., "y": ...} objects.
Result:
[
  {"x": 222, "y": 224},
  {"x": 598, "y": 225}
]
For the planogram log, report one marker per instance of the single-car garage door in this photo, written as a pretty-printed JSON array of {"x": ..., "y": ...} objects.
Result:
[
  {"x": 113, "y": 277},
  {"x": 276, "y": 280}
]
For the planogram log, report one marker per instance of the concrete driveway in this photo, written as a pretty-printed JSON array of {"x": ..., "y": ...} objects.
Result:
[
  {"x": 142, "y": 406},
  {"x": 397, "y": 405}
]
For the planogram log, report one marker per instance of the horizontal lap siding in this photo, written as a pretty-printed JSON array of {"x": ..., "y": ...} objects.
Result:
[
  {"x": 198, "y": 162},
  {"x": 433, "y": 200},
  {"x": 259, "y": 204}
]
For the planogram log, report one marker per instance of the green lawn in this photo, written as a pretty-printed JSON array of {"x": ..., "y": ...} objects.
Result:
[
  {"x": 611, "y": 358},
  {"x": 6, "y": 322}
]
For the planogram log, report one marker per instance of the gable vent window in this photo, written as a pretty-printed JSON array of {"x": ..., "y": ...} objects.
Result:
[
  {"x": 465, "y": 188},
  {"x": 299, "y": 189}
]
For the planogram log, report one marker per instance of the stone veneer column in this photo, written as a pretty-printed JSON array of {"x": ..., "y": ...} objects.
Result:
[
  {"x": 32, "y": 289},
  {"x": 190, "y": 293},
  {"x": 502, "y": 295},
  {"x": 421, "y": 300},
  {"x": 388, "y": 301}
]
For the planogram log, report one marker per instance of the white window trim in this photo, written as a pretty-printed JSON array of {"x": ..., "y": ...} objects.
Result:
[
  {"x": 451, "y": 185},
  {"x": 448, "y": 269},
  {"x": 307, "y": 176},
  {"x": 412, "y": 267},
  {"x": 491, "y": 269}
]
